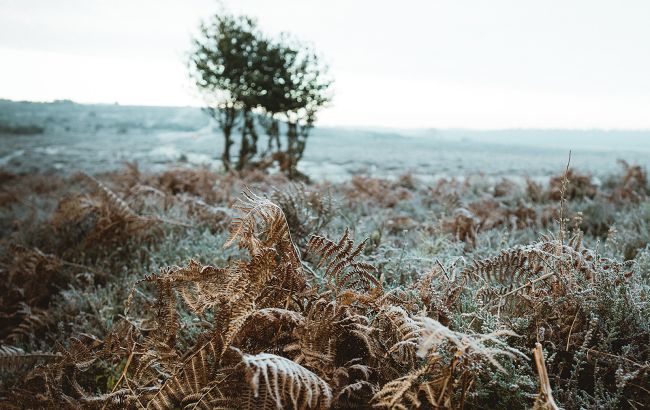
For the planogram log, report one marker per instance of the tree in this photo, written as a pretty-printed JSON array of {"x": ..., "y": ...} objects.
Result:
[
  {"x": 248, "y": 78},
  {"x": 295, "y": 93},
  {"x": 307, "y": 95},
  {"x": 221, "y": 66}
]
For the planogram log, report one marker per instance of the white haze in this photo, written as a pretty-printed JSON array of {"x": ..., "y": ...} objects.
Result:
[{"x": 476, "y": 64}]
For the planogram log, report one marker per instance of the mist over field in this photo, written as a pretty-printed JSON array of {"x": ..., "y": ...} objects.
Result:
[{"x": 158, "y": 137}]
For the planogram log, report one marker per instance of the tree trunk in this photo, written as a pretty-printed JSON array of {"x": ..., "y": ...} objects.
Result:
[
  {"x": 225, "y": 157},
  {"x": 273, "y": 131},
  {"x": 292, "y": 148},
  {"x": 226, "y": 117},
  {"x": 247, "y": 147},
  {"x": 250, "y": 124},
  {"x": 243, "y": 150}
]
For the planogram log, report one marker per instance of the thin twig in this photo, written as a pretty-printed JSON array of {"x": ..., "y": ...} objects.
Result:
[
  {"x": 126, "y": 368},
  {"x": 568, "y": 339},
  {"x": 590, "y": 350},
  {"x": 444, "y": 271},
  {"x": 565, "y": 183}
]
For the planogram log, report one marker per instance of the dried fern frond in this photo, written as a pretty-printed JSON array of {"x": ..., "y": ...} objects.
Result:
[
  {"x": 509, "y": 266},
  {"x": 330, "y": 336},
  {"x": 632, "y": 185},
  {"x": 278, "y": 382},
  {"x": 256, "y": 211},
  {"x": 231, "y": 293},
  {"x": 236, "y": 292},
  {"x": 526, "y": 265},
  {"x": 264, "y": 328},
  {"x": 118, "y": 399},
  {"x": 155, "y": 361},
  {"x": 196, "y": 182},
  {"x": 306, "y": 211},
  {"x": 316, "y": 337},
  {"x": 32, "y": 321},
  {"x": 355, "y": 395},
  {"x": 101, "y": 217},
  {"x": 262, "y": 381},
  {"x": 115, "y": 202},
  {"x": 262, "y": 224},
  {"x": 190, "y": 380},
  {"x": 399, "y": 333},
  {"x": 381, "y": 192},
  {"x": 13, "y": 359},
  {"x": 57, "y": 381},
  {"x": 401, "y": 393},
  {"x": 463, "y": 225},
  {"x": 29, "y": 282},
  {"x": 436, "y": 381},
  {"x": 198, "y": 285},
  {"x": 32, "y": 271},
  {"x": 433, "y": 335},
  {"x": 520, "y": 277},
  {"x": 341, "y": 266},
  {"x": 351, "y": 384}
]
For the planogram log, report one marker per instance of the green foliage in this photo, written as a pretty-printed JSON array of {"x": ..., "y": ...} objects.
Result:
[{"x": 247, "y": 77}]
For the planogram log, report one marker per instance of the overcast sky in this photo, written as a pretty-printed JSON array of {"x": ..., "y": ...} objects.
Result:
[{"x": 455, "y": 63}]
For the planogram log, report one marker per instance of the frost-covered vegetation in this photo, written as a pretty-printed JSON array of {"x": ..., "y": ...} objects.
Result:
[{"x": 173, "y": 289}]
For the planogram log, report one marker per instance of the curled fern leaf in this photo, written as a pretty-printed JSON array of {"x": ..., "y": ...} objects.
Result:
[{"x": 281, "y": 383}]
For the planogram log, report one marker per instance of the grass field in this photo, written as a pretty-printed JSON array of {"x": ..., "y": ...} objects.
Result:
[{"x": 446, "y": 269}]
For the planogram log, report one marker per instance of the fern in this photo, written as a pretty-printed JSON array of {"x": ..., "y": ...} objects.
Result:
[
  {"x": 276, "y": 382},
  {"x": 400, "y": 333},
  {"x": 329, "y": 337},
  {"x": 13, "y": 359},
  {"x": 341, "y": 266},
  {"x": 262, "y": 381},
  {"x": 254, "y": 331},
  {"x": 233, "y": 293},
  {"x": 266, "y": 327},
  {"x": 433, "y": 335},
  {"x": 545, "y": 259},
  {"x": 401, "y": 393},
  {"x": 262, "y": 224},
  {"x": 434, "y": 380},
  {"x": 117, "y": 204},
  {"x": 190, "y": 380},
  {"x": 306, "y": 212}
]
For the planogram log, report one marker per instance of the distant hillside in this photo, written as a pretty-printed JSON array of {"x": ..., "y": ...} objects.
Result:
[
  {"x": 618, "y": 140},
  {"x": 63, "y": 134}
]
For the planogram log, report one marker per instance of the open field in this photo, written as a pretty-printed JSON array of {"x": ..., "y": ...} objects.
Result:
[
  {"x": 465, "y": 272},
  {"x": 100, "y": 138}
]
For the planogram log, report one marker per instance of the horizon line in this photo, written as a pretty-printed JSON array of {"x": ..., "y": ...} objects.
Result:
[{"x": 344, "y": 126}]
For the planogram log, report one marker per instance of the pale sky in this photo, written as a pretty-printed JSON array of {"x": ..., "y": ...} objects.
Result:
[{"x": 455, "y": 63}]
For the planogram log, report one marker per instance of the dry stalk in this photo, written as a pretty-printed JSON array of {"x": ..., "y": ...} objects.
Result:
[{"x": 545, "y": 399}]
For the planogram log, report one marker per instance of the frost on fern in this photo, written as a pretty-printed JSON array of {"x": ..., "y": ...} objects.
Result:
[{"x": 342, "y": 269}]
